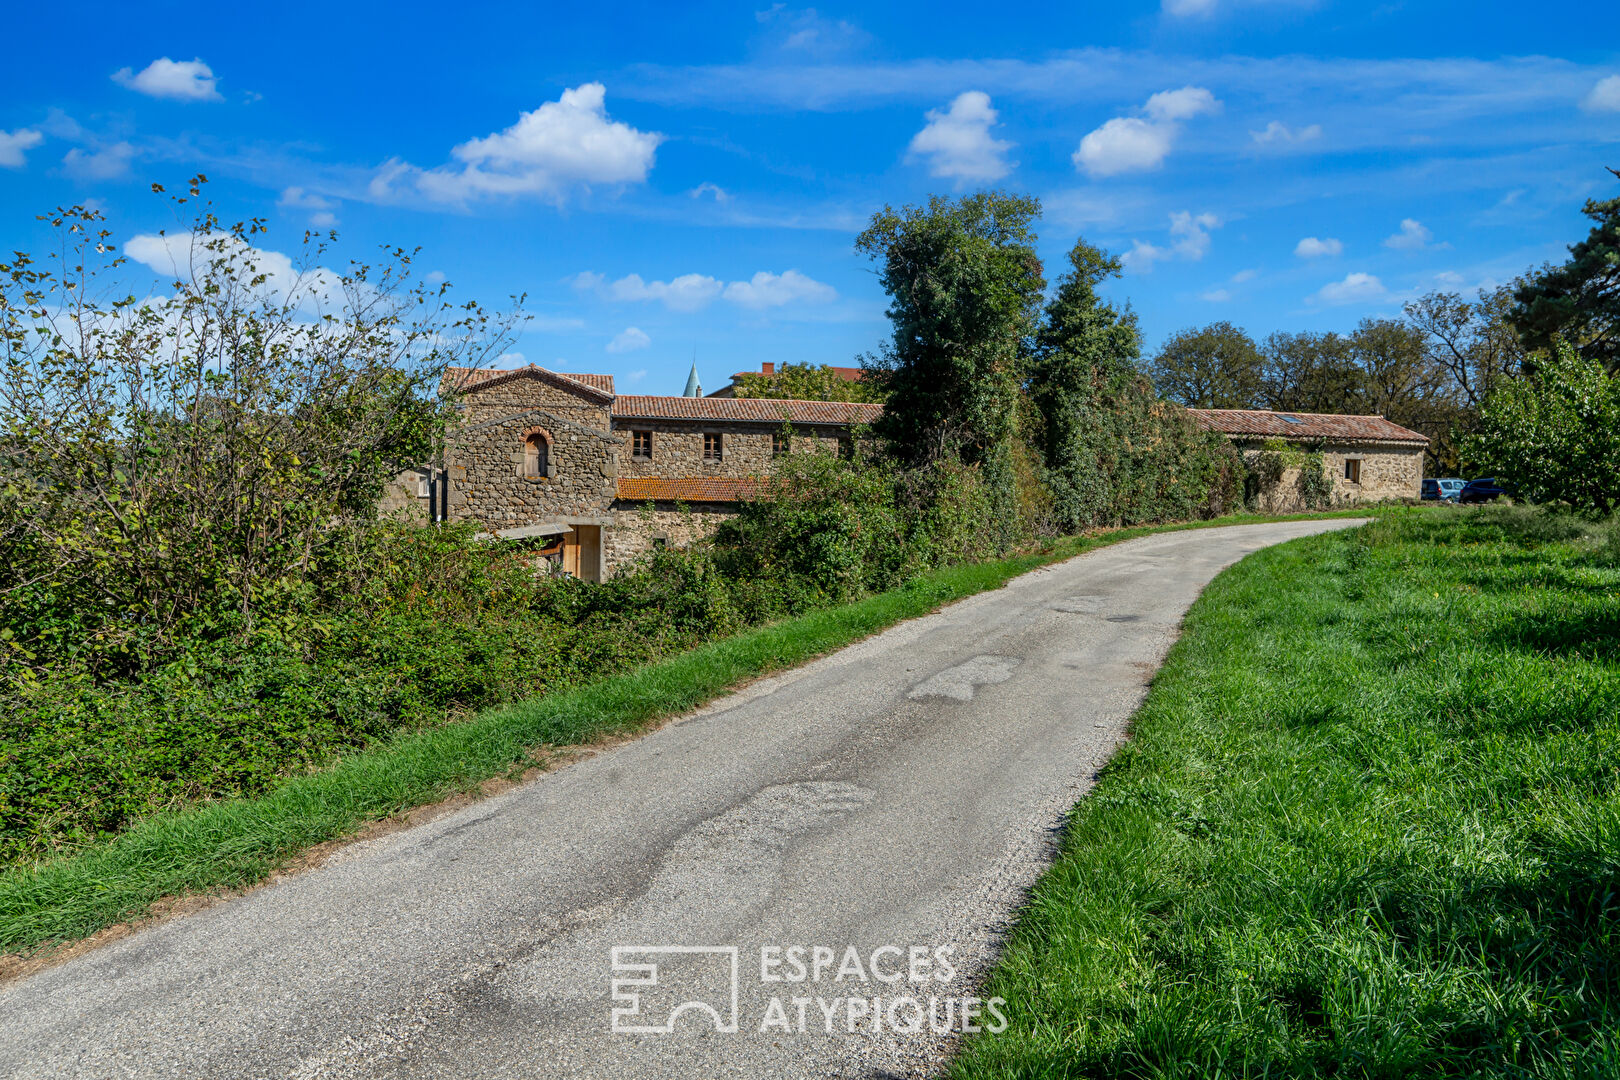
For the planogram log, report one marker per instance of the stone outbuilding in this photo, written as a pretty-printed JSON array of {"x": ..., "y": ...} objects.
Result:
[
  {"x": 598, "y": 477},
  {"x": 1367, "y": 458}
]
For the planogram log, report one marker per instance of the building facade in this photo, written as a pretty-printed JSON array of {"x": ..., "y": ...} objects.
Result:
[{"x": 599, "y": 477}]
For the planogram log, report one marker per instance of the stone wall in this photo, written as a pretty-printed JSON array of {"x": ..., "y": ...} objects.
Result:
[
  {"x": 1387, "y": 472},
  {"x": 635, "y": 529},
  {"x": 677, "y": 447},
  {"x": 485, "y": 457}
]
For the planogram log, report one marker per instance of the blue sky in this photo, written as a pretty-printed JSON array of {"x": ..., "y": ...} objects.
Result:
[{"x": 661, "y": 180}]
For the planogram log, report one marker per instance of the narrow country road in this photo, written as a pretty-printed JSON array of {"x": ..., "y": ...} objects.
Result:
[{"x": 890, "y": 804}]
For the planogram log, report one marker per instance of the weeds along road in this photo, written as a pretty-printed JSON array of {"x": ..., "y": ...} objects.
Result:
[{"x": 889, "y": 804}]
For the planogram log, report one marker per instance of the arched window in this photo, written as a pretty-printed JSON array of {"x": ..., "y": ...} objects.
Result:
[{"x": 536, "y": 455}]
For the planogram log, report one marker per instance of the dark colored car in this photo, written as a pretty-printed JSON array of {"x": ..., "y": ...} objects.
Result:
[
  {"x": 1444, "y": 489},
  {"x": 1480, "y": 491}
]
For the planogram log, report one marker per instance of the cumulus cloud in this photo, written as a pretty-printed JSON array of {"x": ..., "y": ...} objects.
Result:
[
  {"x": 1354, "y": 289},
  {"x": 956, "y": 142},
  {"x": 106, "y": 163},
  {"x": 1278, "y": 132},
  {"x": 320, "y": 208},
  {"x": 768, "y": 290},
  {"x": 173, "y": 255},
  {"x": 719, "y": 193},
  {"x": 178, "y": 80},
  {"x": 805, "y": 30},
  {"x": 1412, "y": 237},
  {"x": 1135, "y": 144},
  {"x": 1215, "y": 296},
  {"x": 1189, "y": 240},
  {"x": 1604, "y": 97},
  {"x": 629, "y": 339},
  {"x": 1313, "y": 248},
  {"x": 15, "y": 144},
  {"x": 562, "y": 145},
  {"x": 693, "y": 292}
]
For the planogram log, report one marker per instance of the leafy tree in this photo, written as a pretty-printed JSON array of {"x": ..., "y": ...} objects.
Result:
[
  {"x": 1311, "y": 372},
  {"x": 196, "y": 455},
  {"x": 1212, "y": 367},
  {"x": 1554, "y": 436},
  {"x": 1580, "y": 300},
  {"x": 965, "y": 288},
  {"x": 1474, "y": 341},
  {"x": 803, "y": 382}
]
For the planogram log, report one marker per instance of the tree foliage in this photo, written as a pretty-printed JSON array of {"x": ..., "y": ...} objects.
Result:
[
  {"x": 1212, "y": 367},
  {"x": 1579, "y": 301},
  {"x": 804, "y": 382},
  {"x": 1554, "y": 436}
]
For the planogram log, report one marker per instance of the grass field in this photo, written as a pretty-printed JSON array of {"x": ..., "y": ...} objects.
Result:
[
  {"x": 1368, "y": 825},
  {"x": 236, "y": 842}
]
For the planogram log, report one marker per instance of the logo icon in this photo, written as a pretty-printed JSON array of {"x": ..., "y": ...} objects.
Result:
[{"x": 654, "y": 985}]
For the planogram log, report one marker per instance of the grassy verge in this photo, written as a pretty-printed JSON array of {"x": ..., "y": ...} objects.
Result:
[
  {"x": 1368, "y": 825},
  {"x": 234, "y": 843}
]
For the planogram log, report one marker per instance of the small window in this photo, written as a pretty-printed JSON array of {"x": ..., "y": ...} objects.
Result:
[
  {"x": 660, "y": 543},
  {"x": 641, "y": 445},
  {"x": 781, "y": 443},
  {"x": 1352, "y": 470},
  {"x": 536, "y": 456},
  {"x": 712, "y": 449}
]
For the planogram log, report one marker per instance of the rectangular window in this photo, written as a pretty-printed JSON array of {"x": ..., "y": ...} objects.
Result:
[
  {"x": 1352, "y": 470},
  {"x": 641, "y": 445},
  {"x": 781, "y": 443},
  {"x": 711, "y": 446}
]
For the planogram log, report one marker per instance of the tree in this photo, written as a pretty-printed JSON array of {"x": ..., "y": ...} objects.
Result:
[
  {"x": 1474, "y": 341},
  {"x": 1310, "y": 372},
  {"x": 965, "y": 288},
  {"x": 1213, "y": 367},
  {"x": 192, "y": 455},
  {"x": 803, "y": 382},
  {"x": 1579, "y": 301},
  {"x": 1554, "y": 436}
]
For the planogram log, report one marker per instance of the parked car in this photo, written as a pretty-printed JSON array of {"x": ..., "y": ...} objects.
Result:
[
  {"x": 1480, "y": 491},
  {"x": 1445, "y": 489}
]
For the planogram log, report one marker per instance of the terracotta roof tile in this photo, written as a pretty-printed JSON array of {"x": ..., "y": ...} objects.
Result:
[
  {"x": 460, "y": 378},
  {"x": 692, "y": 489},
  {"x": 1262, "y": 423},
  {"x": 769, "y": 410}
]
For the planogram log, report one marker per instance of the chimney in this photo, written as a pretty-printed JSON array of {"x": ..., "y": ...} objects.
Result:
[{"x": 767, "y": 369}]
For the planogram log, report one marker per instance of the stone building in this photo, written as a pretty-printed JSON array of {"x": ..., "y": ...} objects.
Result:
[
  {"x": 599, "y": 477},
  {"x": 1367, "y": 458}
]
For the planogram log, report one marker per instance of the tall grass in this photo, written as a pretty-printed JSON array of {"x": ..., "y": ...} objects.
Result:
[{"x": 1368, "y": 825}]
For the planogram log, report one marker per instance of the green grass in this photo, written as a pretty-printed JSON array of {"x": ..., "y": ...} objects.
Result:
[
  {"x": 1368, "y": 825},
  {"x": 235, "y": 843}
]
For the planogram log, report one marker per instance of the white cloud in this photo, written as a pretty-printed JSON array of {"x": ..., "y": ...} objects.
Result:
[
  {"x": 1189, "y": 234},
  {"x": 693, "y": 292},
  {"x": 957, "y": 142},
  {"x": 636, "y": 375},
  {"x": 1313, "y": 248},
  {"x": 564, "y": 144},
  {"x": 173, "y": 255},
  {"x": 509, "y": 359},
  {"x": 766, "y": 290},
  {"x": 180, "y": 80},
  {"x": 1192, "y": 233},
  {"x": 1131, "y": 144},
  {"x": 1244, "y": 275},
  {"x": 1215, "y": 296},
  {"x": 1278, "y": 132},
  {"x": 1449, "y": 277},
  {"x": 805, "y": 30},
  {"x": 1604, "y": 97},
  {"x": 1185, "y": 8},
  {"x": 13, "y": 145},
  {"x": 629, "y": 340},
  {"x": 320, "y": 208},
  {"x": 1412, "y": 237},
  {"x": 1354, "y": 289},
  {"x": 719, "y": 193},
  {"x": 107, "y": 163}
]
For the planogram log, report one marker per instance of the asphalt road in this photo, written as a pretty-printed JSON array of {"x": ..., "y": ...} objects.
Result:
[{"x": 889, "y": 804}]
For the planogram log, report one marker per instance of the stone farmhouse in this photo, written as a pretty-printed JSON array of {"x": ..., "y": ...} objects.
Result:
[{"x": 595, "y": 477}]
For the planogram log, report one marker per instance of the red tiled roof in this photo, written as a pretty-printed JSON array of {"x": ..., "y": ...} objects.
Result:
[
  {"x": 460, "y": 378},
  {"x": 1262, "y": 423},
  {"x": 769, "y": 410},
  {"x": 692, "y": 490}
]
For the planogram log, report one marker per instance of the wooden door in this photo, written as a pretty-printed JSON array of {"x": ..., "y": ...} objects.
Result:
[{"x": 589, "y": 558}]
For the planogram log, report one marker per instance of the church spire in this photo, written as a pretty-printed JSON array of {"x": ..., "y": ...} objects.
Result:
[{"x": 693, "y": 387}]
